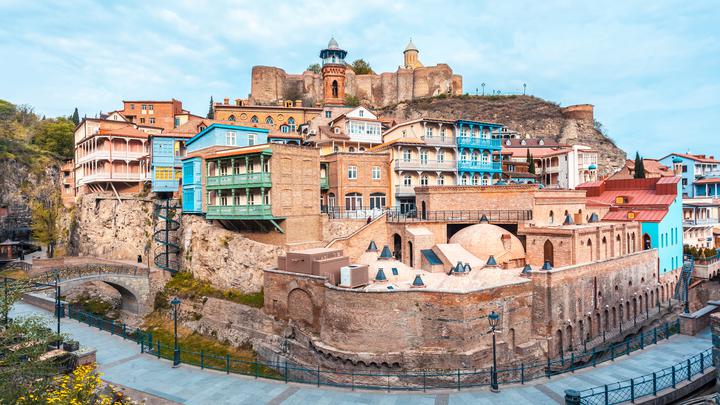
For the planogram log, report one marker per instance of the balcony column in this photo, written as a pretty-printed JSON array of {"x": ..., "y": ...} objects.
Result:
[
  {"x": 232, "y": 167},
  {"x": 262, "y": 195},
  {"x": 262, "y": 163},
  {"x": 424, "y": 134},
  {"x": 232, "y": 196},
  {"x": 247, "y": 198},
  {"x": 247, "y": 165}
]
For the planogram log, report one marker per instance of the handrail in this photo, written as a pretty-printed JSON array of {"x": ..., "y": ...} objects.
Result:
[
  {"x": 413, "y": 380},
  {"x": 648, "y": 384},
  {"x": 396, "y": 215},
  {"x": 90, "y": 269}
]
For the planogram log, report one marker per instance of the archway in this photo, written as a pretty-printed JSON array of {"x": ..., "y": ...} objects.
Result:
[
  {"x": 397, "y": 246},
  {"x": 410, "y": 254},
  {"x": 300, "y": 306},
  {"x": 335, "y": 88},
  {"x": 548, "y": 255},
  {"x": 647, "y": 242},
  {"x": 569, "y": 337},
  {"x": 559, "y": 342}
]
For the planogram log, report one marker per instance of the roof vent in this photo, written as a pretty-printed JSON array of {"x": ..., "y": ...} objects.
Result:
[
  {"x": 418, "y": 282},
  {"x": 594, "y": 218},
  {"x": 467, "y": 268},
  {"x": 372, "y": 247},
  {"x": 568, "y": 220},
  {"x": 394, "y": 271},
  {"x": 380, "y": 276},
  {"x": 484, "y": 219},
  {"x": 386, "y": 254},
  {"x": 527, "y": 269},
  {"x": 547, "y": 265},
  {"x": 491, "y": 261}
]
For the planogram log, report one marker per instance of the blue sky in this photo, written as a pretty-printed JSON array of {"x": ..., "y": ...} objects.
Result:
[{"x": 651, "y": 68}]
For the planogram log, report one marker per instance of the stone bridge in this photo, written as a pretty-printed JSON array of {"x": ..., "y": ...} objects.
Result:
[{"x": 132, "y": 282}]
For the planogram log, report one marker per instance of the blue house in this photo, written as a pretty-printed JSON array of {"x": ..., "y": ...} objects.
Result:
[
  {"x": 700, "y": 174},
  {"x": 166, "y": 162},
  {"x": 214, "y": 136},
  {"x": 479, "y": 147}
]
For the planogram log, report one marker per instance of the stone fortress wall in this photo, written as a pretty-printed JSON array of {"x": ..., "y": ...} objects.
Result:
[{"x": 269, "y": 85}]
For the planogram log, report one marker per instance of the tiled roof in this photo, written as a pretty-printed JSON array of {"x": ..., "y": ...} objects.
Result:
[
  {"x": 537, "y": 152},
  {"x": 651, "y": 166},
  {"x": 532, "y": 143},
  {"x": 697, "y": 158},
  {"x": 635, "y": 198},
  {"x": 640, "y": 215},
  {"x": 412, "y": 141},
  {"x": 128, "y": 130},
  {"x": 709, "y": 180}
]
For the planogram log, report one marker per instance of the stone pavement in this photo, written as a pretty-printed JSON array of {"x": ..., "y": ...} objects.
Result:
[{"x": 121, "y": 363}]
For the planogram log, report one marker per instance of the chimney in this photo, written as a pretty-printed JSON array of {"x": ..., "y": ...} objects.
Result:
[
  {"x": 226, "y": 101},
  {"x": 238, "y": 102}
]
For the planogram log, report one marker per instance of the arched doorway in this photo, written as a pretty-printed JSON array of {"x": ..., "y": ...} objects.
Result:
[
  {"x": 548, "y": 252},
  {"x": 300, "y": 307},
  {"x": 423, "y": 210},
  {"x": 410, "y": 254},
  {"x": 569, "y": 338},
  {"x": 559, "y": 342},
  {"x": 397, "y": 246},
  {"x": 647, "y": 242}
]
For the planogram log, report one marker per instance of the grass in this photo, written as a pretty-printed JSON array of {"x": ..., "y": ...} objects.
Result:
[
  {"x": 184, "y": 285},
  {"x": 17, "y": 274},
  {"x": 95, "y": 306},
  {"x": 214, "y": 352}
]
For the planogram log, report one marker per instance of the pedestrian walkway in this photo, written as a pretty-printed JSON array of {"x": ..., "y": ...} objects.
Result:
[{"x": 121, "y": 363}]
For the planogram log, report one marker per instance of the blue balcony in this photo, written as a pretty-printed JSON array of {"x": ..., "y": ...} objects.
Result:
[
  {"x": 474, "y": 142},
  {"x": 163, "y": 186},
  {"x": 477, "y": 166}
]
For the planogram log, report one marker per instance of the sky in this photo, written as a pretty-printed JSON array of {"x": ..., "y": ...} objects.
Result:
[{"x": 651, "y": 68}]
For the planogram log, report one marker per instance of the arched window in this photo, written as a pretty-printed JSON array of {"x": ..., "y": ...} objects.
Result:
[
  {"x": 334, "y": 88},
  {"x": 476, "y": 179},
  {"x": 231, "y": 118},
  {"x": 485, "y": 158},
  {"x": 269, "y": 120},
  {"x": 604, "y": 248},
  {"x": 424, "y": 180},
  {"x": 291, "y": 124},
  {"x": 353, "y": 201},
  {"x": 548, "y": 254},
  {"x": 377, "y": 200},
  {"x": 551, "y": 217},
  {"x": 351, "y": 149},
  {"x": 331, "y": 199},
  {"x": 589, "y": 245},
  {"x": 464, "y": 180},
  {"x": 254, "y": 119}
]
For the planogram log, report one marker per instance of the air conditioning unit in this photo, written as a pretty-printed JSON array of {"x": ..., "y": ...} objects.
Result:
[
  {"x": 353, "y": 276},
  {"x": 311, "y": 132}
]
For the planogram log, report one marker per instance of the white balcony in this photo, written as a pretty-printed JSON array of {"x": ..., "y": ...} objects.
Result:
[
  {"x": 106, "y": 176},
  {"x": 404, "y": 191},
  {"x": 426, "y": 165},
  {"x": 116, "y": 155}
]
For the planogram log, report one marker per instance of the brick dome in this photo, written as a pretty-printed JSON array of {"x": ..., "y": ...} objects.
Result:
[{"x": 484, "y": 240}]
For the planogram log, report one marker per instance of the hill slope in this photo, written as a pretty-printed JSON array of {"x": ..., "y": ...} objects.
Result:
[{"x": 530, "y": 116}]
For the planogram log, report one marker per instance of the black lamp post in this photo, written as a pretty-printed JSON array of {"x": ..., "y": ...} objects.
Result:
[
  {"x": 483, "y": 88},
  {"x": 493, "y": 318},
  {"x": 58, "y": 307},
  {"x": 176, "y": 353}
]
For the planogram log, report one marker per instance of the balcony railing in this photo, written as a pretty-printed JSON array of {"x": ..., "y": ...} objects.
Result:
[
  {"x": 439, "y": 140},
  {"x": 474, "y": 142},
  {"x": 425, "y": 164},
  {"x": 239, "y": 180},
  {"x": 404, "y": 191},
  {"x": 260, "y": 211},
  {"x": 469, "y": 165},
  {"x": 113, "y": 176},
  {"x": 106, "y": 154},
  {"x": 397, "y": 215},
  {"x": 700, "y": 222}
]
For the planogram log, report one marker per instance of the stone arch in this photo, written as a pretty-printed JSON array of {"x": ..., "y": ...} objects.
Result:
[
  {"x": 559, "y": 341},
  {"x": 647, "y": 241},
  {"x": 604, "y": 249},
  {"x": 129, "y": 299},
  {"x": 590, "y": 248},
  {"x": 569, "y": 338},
  {"x": 511, "y": 339},
  {"x": 548, "y": 252},
  {"x": 300, "y": 306},
  {"x": 411, "y": 254},
  {"x": 397, "y": 246}
]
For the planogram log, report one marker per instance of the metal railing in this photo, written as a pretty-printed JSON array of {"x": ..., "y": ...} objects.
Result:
[
  {"x": 705, "y": 221},
  {"x": 426, "y": 164},
  {"x": 335, "y": 212},
  {"x": 476, "y": 142},
  {"x": 397, "y": 215},
  {"x": 479, "y": 165},
  {"x": 648, "y": 384},
  {"x": 255, "y": 210},
  {"x": 239, "y": 180},
  {"x": 413, "y": 380}
]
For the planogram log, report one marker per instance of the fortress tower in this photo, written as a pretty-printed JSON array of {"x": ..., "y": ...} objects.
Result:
[
  {"x": 333, "y": 73},
  {"x": 411, "y": 56}
]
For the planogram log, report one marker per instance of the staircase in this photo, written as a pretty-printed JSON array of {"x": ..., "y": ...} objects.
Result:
[
  {"x": 683, "y": 284},
  {"x": 166, "y": 235}
]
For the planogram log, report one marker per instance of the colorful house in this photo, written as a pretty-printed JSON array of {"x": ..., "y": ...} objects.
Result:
[
  {"x": 479, "y": 147},
  {"x": 700, "y": 174},
  {"x": 656, "y": 203}
]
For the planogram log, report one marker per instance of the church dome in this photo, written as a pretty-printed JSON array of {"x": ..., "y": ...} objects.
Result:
[
  {"x": 333, "y": 44},
  {"x": 485, "y": 240},
  {"x": 411, "y": 47}
]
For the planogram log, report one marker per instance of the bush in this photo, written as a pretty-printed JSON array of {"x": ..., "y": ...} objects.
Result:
[{"x": 184, "y": 285}]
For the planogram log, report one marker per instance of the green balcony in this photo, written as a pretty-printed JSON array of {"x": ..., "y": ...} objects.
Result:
[
  {"x": 259, "y": 211},
  {"x": 324, "y": 184},
  {"x": 244, "y": 180}
]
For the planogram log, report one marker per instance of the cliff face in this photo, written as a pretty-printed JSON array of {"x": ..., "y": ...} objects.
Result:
[{"x": 530, "y": 116}]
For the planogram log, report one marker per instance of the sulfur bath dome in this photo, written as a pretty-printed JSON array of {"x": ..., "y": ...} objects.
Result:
[{"x": 483, "y": 240}]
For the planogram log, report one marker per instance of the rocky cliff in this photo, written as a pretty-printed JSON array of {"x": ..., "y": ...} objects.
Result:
[{"x": 530, "y": 116}]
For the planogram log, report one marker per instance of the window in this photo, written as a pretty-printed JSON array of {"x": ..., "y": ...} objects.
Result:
[
  {"x": 362, "y": 149},
  {"x": 407, "y": 180},
  {"x": 152, "y": 120},
  {"x": 144, "y": 107},
  {"x": 360, "y": 113},
  {"x": 407, "y": 154},
  {"x": 150, "y": 107},
  {"x": 284, "y": 129},
  {"x": 441, "y": 156},
  {"x": 252, "y": 138},
  {"x": 428, "y": 132},
  {"x": 269, "y": 120},
  {"x": 376, "y": 173},
  {"x": 328, "y": 114},
  {"x": 163, "y": 173},
  {"x": 254, "y": 119},
  {"x": 132, "y": 106},
  {"x": 177, "y": 122},
  {"x": 351, "y": 149},
  {"x": 442, "y": 134},
  {"x": 352, "y": 172},
  {"x": 336, "y": 148},
  {"x": 423, "y": 157},
  {"x": 476, "y": 180},
  {"x": 464, "y": 156},
  {"x": 251, "y": 199},
  {"x": 486, "y": 180},
  {"x": 485, "y": 158},
  {"x": 230, "y": 138},
  {"x": 684, "y": 168},
  {"x": 231, "y": 118},
  {"x": 353, "y": 201},
  {"x": 464, "y": 180},
  {"x": 424, "y": 180},
  {"x": 142, "y": 120},
  {"x": 440, "y": 179},
  {"x": 684, "y": 182},
  {"x": 291, "y": 124},
  {"x": 266, "y": 199},
  {"x": 377, "y": 200}
]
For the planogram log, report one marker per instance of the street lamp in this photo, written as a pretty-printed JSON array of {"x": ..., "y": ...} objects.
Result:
[
  {"x": 493, "y": 319},
  {"x": 176, "y": 353},
  {"x": 483, "y": 88},
  {"x": 58, "y": 307}
]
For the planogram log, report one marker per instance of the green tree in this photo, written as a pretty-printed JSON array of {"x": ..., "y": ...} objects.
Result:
[
  {"x": 75, "y": 117},
  {"x": 7, "y": 110},
  {"x": 56, "y": 136},
  {"x": 211, "y": 112},
  {"x": 351, "y": 101},
  {"x": 530, "y": 162},
  {"x": 639, "y": 166},
  {"x": 360, "y": 67},
  {"x": 44, "y": 221},
  {"x": 315, "y": 68}
]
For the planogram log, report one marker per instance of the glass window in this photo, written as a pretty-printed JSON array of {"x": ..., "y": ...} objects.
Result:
[
  {"x": 230, "y": 138},
  {"x": 423, "y": 157},
  {"x": 441, "y": 156},
  {"x": 428, "y": 132},
  {"x": 284, "y": 129},
  {"x": 407, "y": 154},
  {"x": 360, "y": 113},
  {"x": 407, "y": 180},
  {"x": 376, "y": 173},
  {"x": 252, "y": 138},
  {"x": 440, "y": 179},
  {"x": 351, "y": 149},
  {"x": 328, "y": 114},
  {"x": 352, "y": 172},
  {"x": 377, "y": 201},
  {"x": 254, "y": 119},
  {"x": 144, "y": 107},
  {"x": 353, "y": 201},
  {"x": 291, "y": 124},
  {"x": 464, "y": 180},
  {"x": 142, "y": 120},
  {"x": 152, "y": 120},
  {"x": 150, "y": 107},
  {"x": 269, "y": 120},
  {"x": 231, "y": 118},
  {"x": 424, "y": 180}
]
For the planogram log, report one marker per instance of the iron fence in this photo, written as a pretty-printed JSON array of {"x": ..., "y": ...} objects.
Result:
[
  {"x": 649, "y": 384},
  {"x": 90, "y": 269},
  {"x": 414, "y": 380},
  {"x": 397, "y": 215},
  {"x": 335, "y": 212}
]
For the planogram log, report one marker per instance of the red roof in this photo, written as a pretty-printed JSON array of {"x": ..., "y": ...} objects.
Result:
[
  {"x": 709, "y": 180},
  {"x": 640, "y": 215},
  {"x": 649, "y": 199},
  {"x": 697, "y": 158}
]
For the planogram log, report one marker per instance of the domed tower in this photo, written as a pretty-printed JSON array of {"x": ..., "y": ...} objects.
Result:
[
  {"x": 333, "y": 73},
  {"x": 411, "y": 56}
]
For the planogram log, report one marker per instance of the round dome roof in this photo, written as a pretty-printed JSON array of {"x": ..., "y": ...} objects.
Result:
[
  {"x": 333, "y": 44},
  {"x": 677, "y": 160},
  {"x": 484, "y": 240}
]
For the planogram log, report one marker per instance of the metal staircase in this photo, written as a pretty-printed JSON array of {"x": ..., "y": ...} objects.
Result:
[
  {"x": 683, "y": 285},
  {"x": 166, "y": 235}
]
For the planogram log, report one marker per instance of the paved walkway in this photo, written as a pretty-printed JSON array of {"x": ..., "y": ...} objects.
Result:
[{"x": 121, "y": 363}]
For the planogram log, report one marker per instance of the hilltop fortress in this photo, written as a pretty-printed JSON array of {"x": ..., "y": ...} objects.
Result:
[{"x": 272, "y": 85}]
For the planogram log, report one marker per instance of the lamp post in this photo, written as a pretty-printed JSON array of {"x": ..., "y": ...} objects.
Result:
[
  {"x": 176, "y": 353},
  {"x": 524, "y": 88},
  {"x": 493, "y": 319},
  {"x": 483, "y": 88},
  {"x": 57, "y": 305}
]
